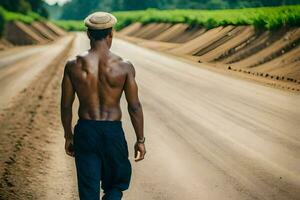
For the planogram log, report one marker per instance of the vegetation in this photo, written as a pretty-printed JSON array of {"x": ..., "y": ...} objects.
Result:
[
  {"x": 78, "y": 9},
  {"x": 13, "y": 16},
  {"x": 21, "y": 10},
  {"x": 7, "y": 16},
  {"x": 25, "y": 6},
  {"x": 267, "y": 18},
  {"x": 70, "y": 25}
]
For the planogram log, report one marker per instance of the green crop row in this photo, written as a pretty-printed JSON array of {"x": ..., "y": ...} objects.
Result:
[
  {"x": 70, "y": 25},
  {"x": 7, "y": 16},
  {"x": 265, "y": 17}
]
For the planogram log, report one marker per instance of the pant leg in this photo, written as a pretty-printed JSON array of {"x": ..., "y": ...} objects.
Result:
[
  {"x": 116, "y": 167},
  {"x": 88, "y": 162},
  {"x": 113, "y": 194}
]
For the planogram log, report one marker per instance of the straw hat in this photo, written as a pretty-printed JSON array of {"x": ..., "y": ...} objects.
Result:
[{"x": 100, "y": 20}]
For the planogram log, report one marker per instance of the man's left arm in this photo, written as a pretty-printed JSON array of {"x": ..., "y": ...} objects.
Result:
[{"x": 67, "y": 99}]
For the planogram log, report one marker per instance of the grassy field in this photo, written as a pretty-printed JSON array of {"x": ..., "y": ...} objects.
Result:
[
  {"x": 6, "y": 16},
  {"x": 267, "y": 17}
]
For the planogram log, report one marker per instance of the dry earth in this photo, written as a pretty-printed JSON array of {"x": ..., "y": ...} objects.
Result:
[
  {"x": 209, "y": 136},
  {"x": 268, "y": 57}
]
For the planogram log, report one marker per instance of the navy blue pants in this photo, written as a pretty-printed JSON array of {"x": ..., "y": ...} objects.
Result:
[{"x": 101, "y": 154}]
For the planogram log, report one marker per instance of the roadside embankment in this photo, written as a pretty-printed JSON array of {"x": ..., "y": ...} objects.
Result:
[
  {"x": 268, "y": 56},
  {"x": 260, "y": 44},
  {"x": 19, "y": 33},
  {"x": 18, "y": 29}
]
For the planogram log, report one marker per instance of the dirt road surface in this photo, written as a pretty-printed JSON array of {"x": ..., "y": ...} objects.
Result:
[
  {"x": 19, "y": 65},
  {"x": 209, "y": 136}
]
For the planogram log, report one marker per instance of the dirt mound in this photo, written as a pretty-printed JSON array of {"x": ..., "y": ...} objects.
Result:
[
  {"x": 174, "y": 31},
  {"x": 160, "y": 32},
  {"x": 18, "y": 33},
  {"x": 189, "y": 34},
  {"x": 4, "y": 44},
  {"x": 203, "y": 40},
  {"x": 273, "y": 55},
  {"x": 153, "y": 30},
  {"x": 143, "y": 29},
  {"x": 268, "y": 53},
  {"x": 224, "y": 45},
  {"x": 258, "y": 42},
  {"x": 43, "y": 31},
  {"x": 132, "y": 28},
  {"x": 38, "y": 32},
  {"x": 226, "y": 34},
  {"x": 287, "y": 65},
  {"x": 160, "y": 28},
  {"x": 53, "y": 28}
]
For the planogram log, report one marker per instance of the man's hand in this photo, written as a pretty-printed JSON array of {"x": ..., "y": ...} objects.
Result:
[
  {"x": 141, "y": 149},
  {"x": 69, "y": 146}
]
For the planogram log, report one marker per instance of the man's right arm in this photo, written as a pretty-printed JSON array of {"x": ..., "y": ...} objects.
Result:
[
  {"x": 67, "y": 99},
  {"x": 135, "y": 111}
]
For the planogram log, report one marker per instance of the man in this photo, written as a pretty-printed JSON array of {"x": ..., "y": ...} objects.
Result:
[{"x": 99, "y": 77}]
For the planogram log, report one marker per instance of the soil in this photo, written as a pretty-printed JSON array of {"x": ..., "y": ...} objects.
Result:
[
  {"x": 172, "y": 32},
  {"x": 224, "y": 138},
  {"x": 266, "y": 54},
  {"x": 43, "y": 31},
  {"x": 132, "y": 28},
  {"x": 28, "y": 168},
  {"x": 55, "y": 29},
  {"x": 18, "y": 33}
]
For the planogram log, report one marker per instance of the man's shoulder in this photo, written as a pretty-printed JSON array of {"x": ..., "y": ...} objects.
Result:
[
  {"x": 70, "y": 65},
  {"x": 70, "y": 62},
  {"x": 128, "y": 66},
  {"x": 74, "y": 62}
]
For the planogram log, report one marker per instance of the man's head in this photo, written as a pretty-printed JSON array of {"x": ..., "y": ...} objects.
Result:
[{"x": 100, "y": 25}]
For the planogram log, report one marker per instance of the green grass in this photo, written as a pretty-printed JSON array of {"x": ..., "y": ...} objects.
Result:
[
  {"x": 70, "y": 25},
  {"x": 266, "y": 17},
  {"x": 7, "y": 16}
]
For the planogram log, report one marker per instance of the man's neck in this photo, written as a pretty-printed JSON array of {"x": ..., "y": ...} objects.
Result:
[
  {"x": 100, "y": 47},
  {"x": 102, "y": 50}
]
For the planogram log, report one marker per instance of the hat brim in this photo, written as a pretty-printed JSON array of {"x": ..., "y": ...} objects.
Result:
[{"x": 108, "y": 22}]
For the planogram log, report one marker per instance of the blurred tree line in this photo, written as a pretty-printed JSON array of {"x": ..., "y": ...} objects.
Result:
[
  {"x": 78, "y": 9},
  {"x": 25, "y": 6}
]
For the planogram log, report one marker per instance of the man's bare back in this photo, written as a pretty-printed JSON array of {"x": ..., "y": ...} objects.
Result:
[
  {"x": 99, "y": 77},
  {"x": 99, "y": 81}
]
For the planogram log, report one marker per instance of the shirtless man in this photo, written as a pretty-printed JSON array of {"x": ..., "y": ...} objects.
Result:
[{"x": 99, "y": 77}]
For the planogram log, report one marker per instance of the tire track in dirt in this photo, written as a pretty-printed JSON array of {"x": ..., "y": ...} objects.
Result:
[{"x": 28, "y": 129}]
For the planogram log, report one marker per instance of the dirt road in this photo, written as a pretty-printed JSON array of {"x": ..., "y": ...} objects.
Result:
[
  {"x": 209, "y": 136},
  {"x": 19, "y": 65}
]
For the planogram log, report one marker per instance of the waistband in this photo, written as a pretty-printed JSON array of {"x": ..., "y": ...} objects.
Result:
[
  {"x": 81, "y": 120},
  {"x": 104, "y": 122}
]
